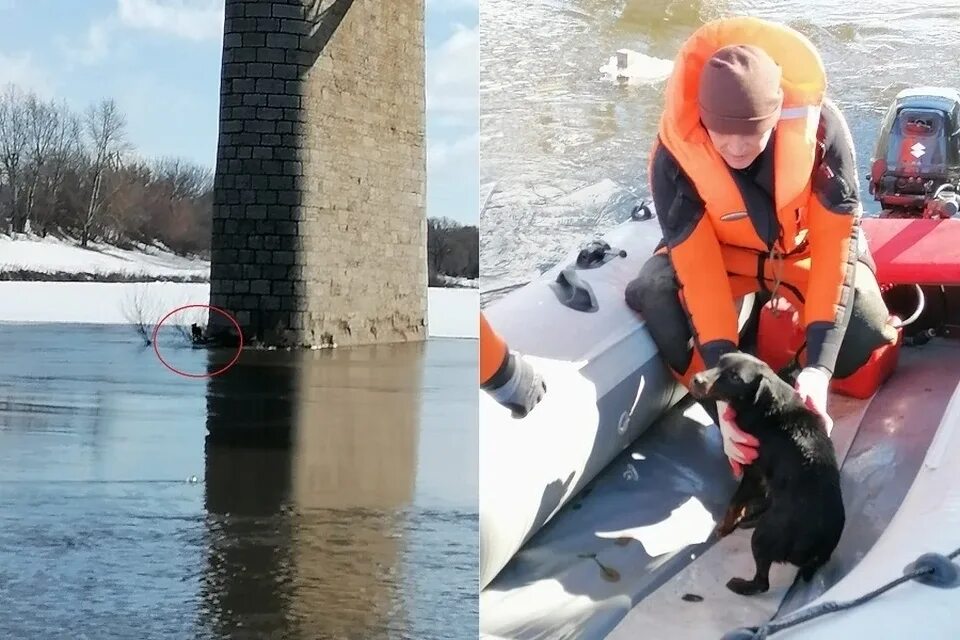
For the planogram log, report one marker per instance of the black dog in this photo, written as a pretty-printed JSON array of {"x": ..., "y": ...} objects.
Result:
[{"x": 793, "y": 487}]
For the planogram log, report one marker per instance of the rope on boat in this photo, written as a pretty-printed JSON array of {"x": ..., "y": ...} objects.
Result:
[{"x": 932, "y": 569}]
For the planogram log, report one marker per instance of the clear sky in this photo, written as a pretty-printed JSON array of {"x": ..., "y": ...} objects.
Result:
[{"x": 160, "y": 59}]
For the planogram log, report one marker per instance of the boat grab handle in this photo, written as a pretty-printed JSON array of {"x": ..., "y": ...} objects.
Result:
[{"x": 574, "y": 292}]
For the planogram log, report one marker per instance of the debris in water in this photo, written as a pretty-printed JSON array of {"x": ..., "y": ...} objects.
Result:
[
  {"x": 634, "y": 67},
  {"x": 692, "y": 597}
]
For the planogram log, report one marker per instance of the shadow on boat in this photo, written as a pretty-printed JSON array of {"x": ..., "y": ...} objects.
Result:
[{"x": 646, "y": 520}]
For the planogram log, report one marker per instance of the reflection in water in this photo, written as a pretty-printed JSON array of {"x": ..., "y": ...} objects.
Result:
[
  {"x": 306, "y": 540},
  {"x": 248, "y": 572},
  {"x": 253, "y": 401},
  {"x": 118, "y": 520}
]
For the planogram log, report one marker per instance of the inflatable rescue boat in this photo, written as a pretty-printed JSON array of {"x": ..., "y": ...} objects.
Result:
[{"x": 597, "y": 510}]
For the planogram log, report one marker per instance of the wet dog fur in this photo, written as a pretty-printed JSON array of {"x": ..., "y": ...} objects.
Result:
[{"x": 792, "y": 490}]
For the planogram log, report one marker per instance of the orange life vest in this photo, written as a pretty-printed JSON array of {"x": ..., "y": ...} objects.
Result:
[
  {"x": 795, "y": 146},
  {"x": 698, "y": 260}
]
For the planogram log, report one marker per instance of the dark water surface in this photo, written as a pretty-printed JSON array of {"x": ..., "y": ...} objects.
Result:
[
  {"x": 119, "y": 520},
  {"x": 564, "y": 149}
]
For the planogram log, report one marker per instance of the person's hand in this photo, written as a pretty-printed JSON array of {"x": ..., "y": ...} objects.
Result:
[
  {"x": 740, "y": 446},
  {"x": 523, "y": 390},
  {"x": 813, "y": 385}
]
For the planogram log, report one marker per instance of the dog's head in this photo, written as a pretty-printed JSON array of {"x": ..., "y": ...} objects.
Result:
[{"x": 738, "y": 378}]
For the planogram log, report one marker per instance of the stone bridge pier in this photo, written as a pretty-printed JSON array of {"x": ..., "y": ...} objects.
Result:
[{"x": 319, "y": 225}]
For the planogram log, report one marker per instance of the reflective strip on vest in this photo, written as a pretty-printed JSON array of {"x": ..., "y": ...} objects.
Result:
[{"x": 797, "y": 113}]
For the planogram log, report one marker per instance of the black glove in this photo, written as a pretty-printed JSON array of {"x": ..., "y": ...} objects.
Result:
[{"x": 517, "y": 386}]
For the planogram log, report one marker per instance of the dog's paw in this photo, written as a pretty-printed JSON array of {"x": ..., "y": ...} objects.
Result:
[
  {"x": 746, "y": 587},
  {"x": 730, "y": 520}
]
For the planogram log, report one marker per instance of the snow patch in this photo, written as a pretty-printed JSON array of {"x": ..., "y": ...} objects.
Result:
[
  {"x": 52, "y": 255},
  {"x": 452, "y": 313},
  {"x": 464, "y": 283}
]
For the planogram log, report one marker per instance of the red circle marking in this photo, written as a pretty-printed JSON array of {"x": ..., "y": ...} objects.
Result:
[{"x": 156, "y": 349}]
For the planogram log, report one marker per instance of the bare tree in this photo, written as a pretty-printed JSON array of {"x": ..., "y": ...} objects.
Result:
[
  {"x": 437, "y": 246},
  {"x": 66, "y": 152},
  {"x": 13, "y": 146},
  {"x": 41, "y": 120},
  {"x": 106, "y": 129},
  {"x": 141, "y": 314},
  {"x": 452, "y": 250},
  {"x": 182, "y": 187},
  {"x": 70, "y": 173},
  {"x": 128, "y": 204},
  {"x": 186, "y": 180}
]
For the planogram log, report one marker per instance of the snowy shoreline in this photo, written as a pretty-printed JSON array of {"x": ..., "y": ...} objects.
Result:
[
  {"x": 452, "y": 313},
  {"x": 51, "y": 255},
  {"x": 29, "y": 257},
  {"x": 54, "y": 280}
]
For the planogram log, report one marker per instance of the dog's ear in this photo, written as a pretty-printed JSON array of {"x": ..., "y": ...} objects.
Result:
[
  {"x": 772, "y": 390},
  {"x": 765, "y": 392}
]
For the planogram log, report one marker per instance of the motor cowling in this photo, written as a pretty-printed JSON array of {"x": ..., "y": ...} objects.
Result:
[{"x": 916, "y": 164}]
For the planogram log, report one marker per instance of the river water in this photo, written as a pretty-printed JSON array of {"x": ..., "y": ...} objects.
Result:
[
  {"x": 119, "y": 518},
  {"x": 564, "y": 148}
]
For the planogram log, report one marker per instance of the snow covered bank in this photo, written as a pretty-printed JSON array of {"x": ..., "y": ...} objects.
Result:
[
  {"x": 451, "y": 281},
  {"x": 53, "y": 255},
  {"x": 452, "y": 313},
  {"x": 31, "y": 257},
  {"x": 94, "y": 302}
]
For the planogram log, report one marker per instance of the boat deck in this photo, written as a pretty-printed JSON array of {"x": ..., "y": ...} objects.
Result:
[{"x": 633, "y": 555}]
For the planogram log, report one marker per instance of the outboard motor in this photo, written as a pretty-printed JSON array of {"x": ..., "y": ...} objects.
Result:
[{"x": 916, "y": 163}]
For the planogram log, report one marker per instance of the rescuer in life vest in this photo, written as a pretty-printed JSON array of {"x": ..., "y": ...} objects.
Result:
[
  {"x": 754, "y": 180},
  {"x": 506, "y": 376}
]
